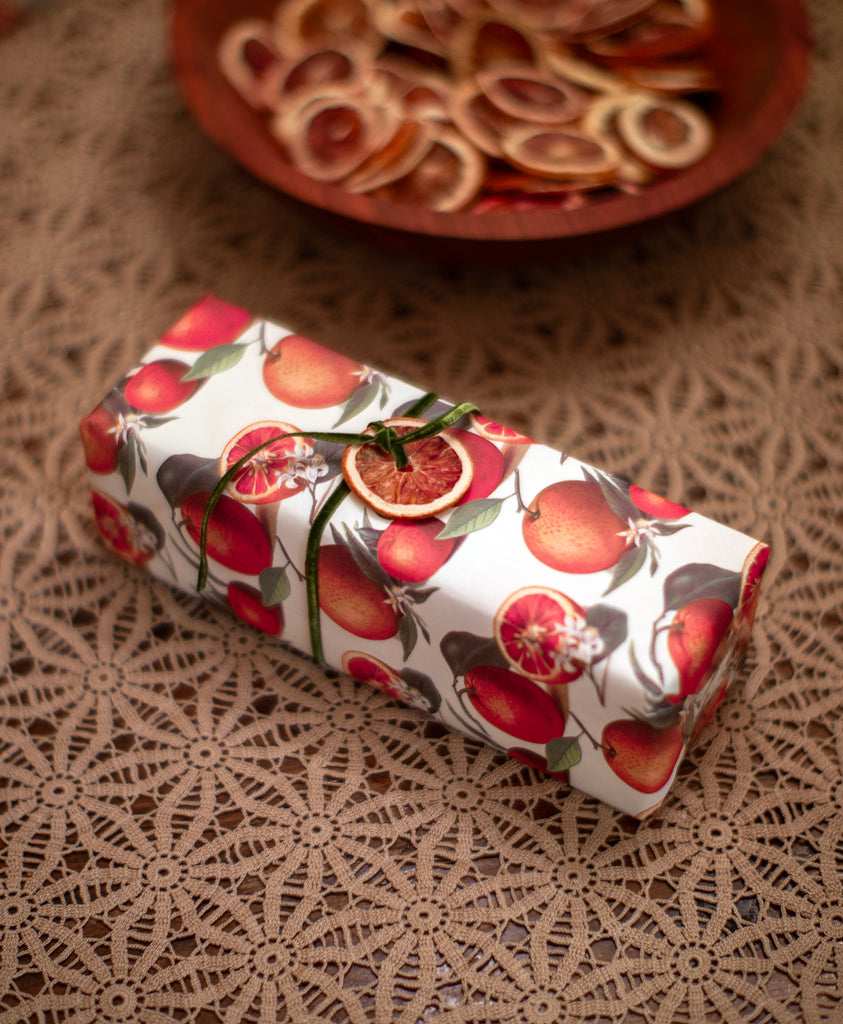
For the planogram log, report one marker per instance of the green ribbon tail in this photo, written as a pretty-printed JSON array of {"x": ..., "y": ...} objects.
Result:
[
  {"x": 311, "y": 567},
  {"x": 386, "y": 437}
]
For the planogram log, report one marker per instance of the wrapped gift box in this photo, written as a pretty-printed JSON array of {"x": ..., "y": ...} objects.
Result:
[{"x": 583, "y": 624}]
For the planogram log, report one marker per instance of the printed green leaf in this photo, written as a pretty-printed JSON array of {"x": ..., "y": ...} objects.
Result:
[
  {"x": 127, "y": 463},
  {"x": 562, "y": 753},
  {"x": 476, "y": 515},
  {"x": 274, "y": 584},
  {"x": 616, "y": 494},
  {"x": 361, "y": 397},
  {"x": 696, "y": 581},
  {"x": 408, "y": 634},
  {"x": 668, "y": 529},
  {"x": 366, "y": 560},
  {"x": 627, "y": 566},
  {"x": 214, "y": 361}
]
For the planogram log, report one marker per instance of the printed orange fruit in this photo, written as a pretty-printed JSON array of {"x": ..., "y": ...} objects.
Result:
[
  {"x": 122, "y": 532},
  {"x": 273, "y": 473},
  {"x": 437, "y": 474},
  {"x": 570, "y": 527},
  {"x": 409, "y": 549},
  {"x": 303, "y": 374},
  {"x": 349, "y": 598},
  {"x": 655, "y": 504},
  {"x": 543, "y": 634},
  {"x": 208, "y": 324},
  {"x": 100, "y": 440},
  {"x": 487, "y": 466},
  {"x": 247, "y": 604},
  {"x": 366, "y": 668},
  {"x": 158, "y": 386},
  {"x": 640, "y": 754},
  {"x": 514, "y": 704},
  {"x": 235, "y": 537},
  {"x": 695, "y": 635},
  {"x": 497, "y": 432}
]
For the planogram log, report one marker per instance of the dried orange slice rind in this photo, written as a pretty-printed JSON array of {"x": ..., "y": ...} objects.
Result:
[
  {"x": 541, "y": 633},
  {"x": 244, "y": 74},
  {"x": 446, "y": 178},
  {"x": 560, "y": 153},
  {"x": 666, "y": 134},
  {"x": 438, "y": 474},
  {"x": 331, "y": 135},
  {"x": 396, "y": 158},
  {"x": 270, "y": 475},
  {"x": 530, "y": 95}
]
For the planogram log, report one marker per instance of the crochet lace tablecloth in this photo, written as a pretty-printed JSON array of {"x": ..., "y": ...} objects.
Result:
[{"x": 198, "y": 825}]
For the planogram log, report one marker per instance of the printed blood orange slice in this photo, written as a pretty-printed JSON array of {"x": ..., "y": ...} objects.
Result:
[
  {"x": 496, "y": 432},
  {"x": 273, "y": 474},
  {"x": 664, "y": 133},
  {"x": 246, "y": 55},
  {"x": 437, "y": 474},
  {"x": 366, "y": 668},
  {"x": 544, "y": 635}
]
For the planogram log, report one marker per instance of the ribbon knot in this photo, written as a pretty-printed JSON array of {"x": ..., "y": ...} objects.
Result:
[{"x": 385, "y": 437}]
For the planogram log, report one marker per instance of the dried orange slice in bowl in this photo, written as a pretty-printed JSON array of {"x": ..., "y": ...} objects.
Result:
[
  {"x": 544, "y": 635},
  {"x": 437, "y": 474},
  {"x": 273, "y": 473}
]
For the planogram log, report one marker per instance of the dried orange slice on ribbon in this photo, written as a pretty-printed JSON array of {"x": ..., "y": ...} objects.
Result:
[
  {"x": 272, "y": 474},
  {"x": 437, "y": 474},
  {"x": 543, "y": 634}
]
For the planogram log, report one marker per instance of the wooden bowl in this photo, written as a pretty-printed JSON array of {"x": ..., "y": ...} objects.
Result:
[{"x": 760, "y": 55}]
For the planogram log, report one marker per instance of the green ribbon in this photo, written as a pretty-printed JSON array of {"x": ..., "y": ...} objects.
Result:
[{"x": 386, "y": 438}]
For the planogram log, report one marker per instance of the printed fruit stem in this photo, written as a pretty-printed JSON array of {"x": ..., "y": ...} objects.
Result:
[{"x": 584, "y": 732}]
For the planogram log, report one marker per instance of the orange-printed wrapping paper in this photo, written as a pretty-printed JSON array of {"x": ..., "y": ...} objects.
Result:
[{"x": 582, "y": 624}]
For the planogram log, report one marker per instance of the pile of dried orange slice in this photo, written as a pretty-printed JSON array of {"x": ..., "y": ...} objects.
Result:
[{"x": 480, "y": 105}]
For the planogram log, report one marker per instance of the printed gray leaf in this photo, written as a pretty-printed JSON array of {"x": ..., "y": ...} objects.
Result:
[
  {"x": 628, "y": 565},
  {"x": 563, "y": 753},
  {"x": 476, "y": 515},
  {"x": 361, "y": 397},
  {"x": 214, "y": 361},
  {"x": 274, "y": 585}
]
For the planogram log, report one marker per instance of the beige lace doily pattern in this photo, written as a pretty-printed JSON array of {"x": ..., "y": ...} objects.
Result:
[{"x": 199, "y": 826}]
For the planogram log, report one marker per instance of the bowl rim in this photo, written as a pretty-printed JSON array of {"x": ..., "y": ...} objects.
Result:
[{"x": 729, "y": 160}]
